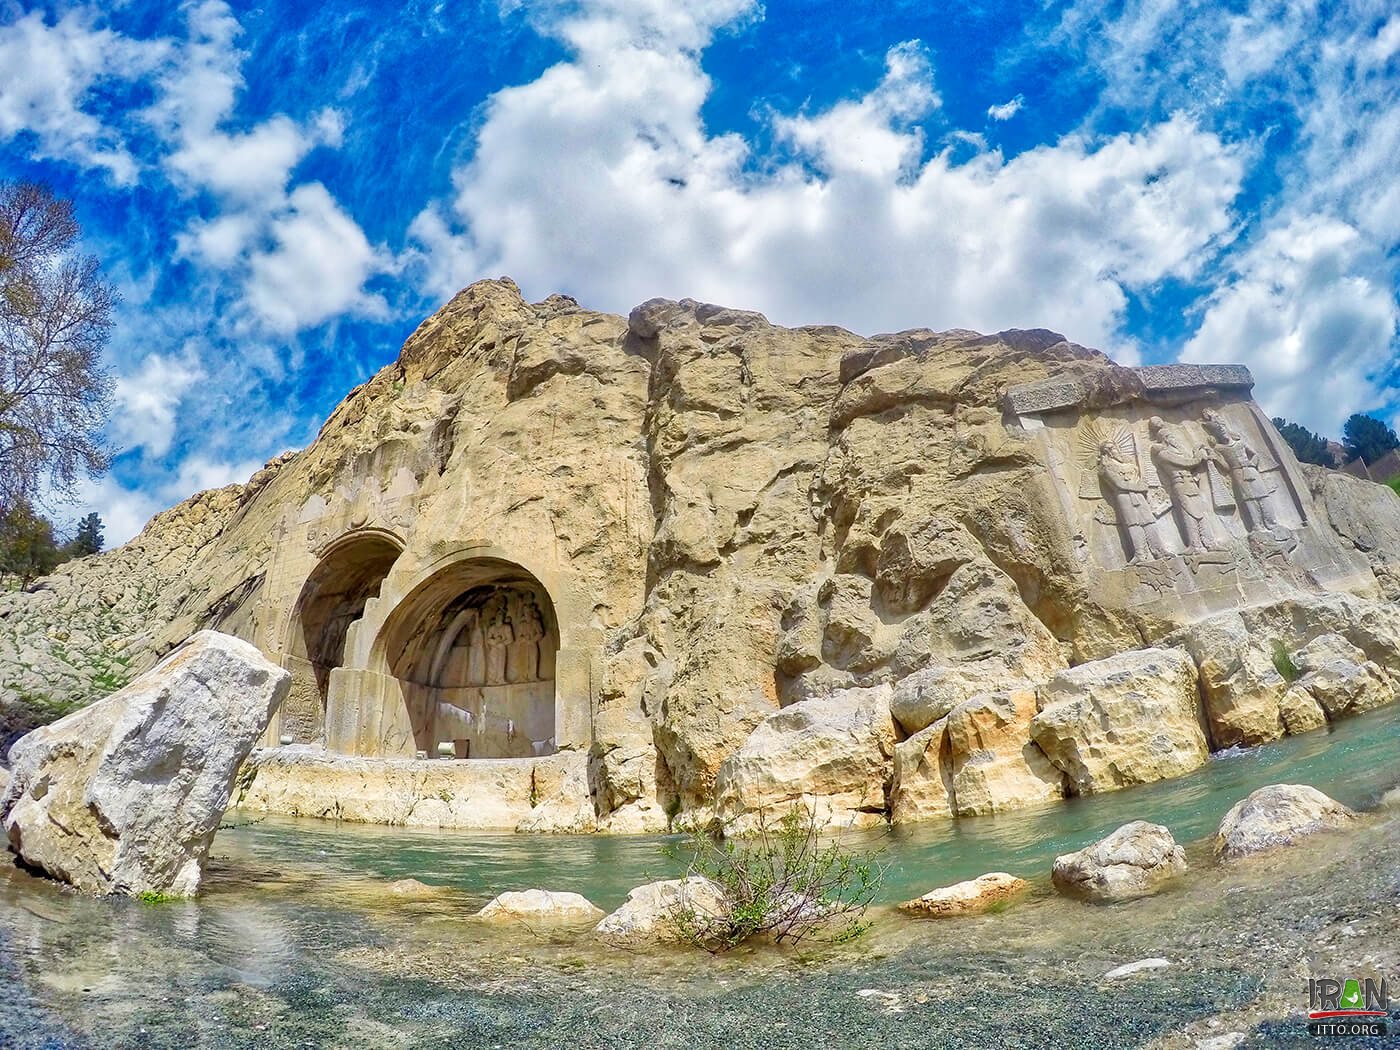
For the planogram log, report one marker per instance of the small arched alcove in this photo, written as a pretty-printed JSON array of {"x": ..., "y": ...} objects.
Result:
[
  {"x": 473, "y": 650},
  {"x": 348, "y": 575}
]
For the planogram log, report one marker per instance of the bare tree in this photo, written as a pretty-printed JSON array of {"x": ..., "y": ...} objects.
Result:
[{"x": 55, "y": 315}]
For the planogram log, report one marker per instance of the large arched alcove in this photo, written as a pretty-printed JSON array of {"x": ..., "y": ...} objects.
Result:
[
  {"x": 473, "y": 651},
  {"x": 348, "y": 575}
]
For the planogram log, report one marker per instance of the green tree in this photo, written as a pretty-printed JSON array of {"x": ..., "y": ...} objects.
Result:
[
  {"x": 55, "y": 315},
  {"x": 1367, "y": 438},
  {"x": 88, "y": 539},
  {"x": 28, "y": 549},
  {"x": 1307, "y": 446}
]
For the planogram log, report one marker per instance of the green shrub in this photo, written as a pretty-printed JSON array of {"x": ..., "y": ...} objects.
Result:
[
  {"x": 781, "y": 883},
  {"x": 1283, "y": 663}
]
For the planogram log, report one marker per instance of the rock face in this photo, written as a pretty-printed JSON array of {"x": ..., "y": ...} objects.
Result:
[
  {"x": 649, "y": 914},
  {"x": 540, "y": 907},
  {"x": 1278, "y": 815},
  {"x": 968, "y": 898},
  {"x": 125, "y": 796},
  {"x": 637, "y": 541},
  {"x": 1132, "y": 862},
  {"x": 1128, "y": 719},
  {"x": 1340, "y": 678}
]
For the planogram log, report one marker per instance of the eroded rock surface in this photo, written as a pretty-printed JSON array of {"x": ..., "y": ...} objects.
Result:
[
  {"x": 1278, "y": 815},
  {"x": 124, "y": 796}
]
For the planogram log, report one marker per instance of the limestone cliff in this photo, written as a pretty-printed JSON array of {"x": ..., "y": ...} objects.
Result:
[{"x": 673, "y": 525}]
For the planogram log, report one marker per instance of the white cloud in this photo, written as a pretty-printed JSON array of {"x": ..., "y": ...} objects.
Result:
[
  {"x": 1006, "y": 110},
  {"x": 147, "y": 402},
  {"x": 198, "y": 473},
  {"x": 48, "y": 72},
  {"x": 1315, "y": 332},
  {"x": 316, "y": 268},
  {"x": 1308, "y": 296},
  {"x": 292, "y": 255},
  {"x": 874, "y": 135},
  {"x": 252, "y": 165},
  {"x": 599, "y": 178},
  {"x": 298, "y": 255}
]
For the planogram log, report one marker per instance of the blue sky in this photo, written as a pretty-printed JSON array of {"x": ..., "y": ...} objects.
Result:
[{"x": 283, "y": 191}]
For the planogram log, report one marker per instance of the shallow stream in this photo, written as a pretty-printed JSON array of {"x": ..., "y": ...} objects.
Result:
[{"x": 296, "y": 942}]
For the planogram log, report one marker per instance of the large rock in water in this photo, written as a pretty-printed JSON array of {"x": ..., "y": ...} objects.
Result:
[
  {"x": 1128, "y": 719},
  {"x": 124, "y": 796},
  {"x": 968, "y": 898},
  {"x": 1340, "y": 678},
  {"x": 1278, "y": 815},
  {"x": 1132, "y": 862},
  {"x": 993, "y": 765},
  {"x": 540, "y": 907},
  {"x": 831, "y": 757},
  {"x": 650, "y": 913}
]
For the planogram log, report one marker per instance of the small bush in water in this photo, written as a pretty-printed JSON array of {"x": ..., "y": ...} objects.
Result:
[{"x": 782, "y": 883}]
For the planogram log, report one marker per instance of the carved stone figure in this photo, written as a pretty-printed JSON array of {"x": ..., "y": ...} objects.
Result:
[
  {"x": 1125, "y": 489},
  {"x": 476, "y": 652},
  {"x": 527, "y": 643},
  {"x": 1243, "y": 464},
  {"x": 1180, "y": 460},
  {"x": 499, "y": 637}
]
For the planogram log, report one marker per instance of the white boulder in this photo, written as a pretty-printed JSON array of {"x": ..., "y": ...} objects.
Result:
[
  {"x": 832, "y": 756},
  {"x": 1131, "y": 862},
  {"x": 124, "y": 796},
  {"x": 650, "y": 912}
]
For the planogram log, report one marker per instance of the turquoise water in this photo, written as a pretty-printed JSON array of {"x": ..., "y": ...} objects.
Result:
[{"x": 1354, "y": 761}]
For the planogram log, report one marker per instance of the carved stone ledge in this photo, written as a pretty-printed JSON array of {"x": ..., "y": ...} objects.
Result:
[
  {"x": 1058, "y": 392},
  {"x": 1163, "y": 378},
  {"x": 1047, "y": 395}
]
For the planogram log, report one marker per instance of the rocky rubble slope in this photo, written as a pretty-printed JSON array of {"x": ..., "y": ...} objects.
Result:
[{"x": 88, "y": 629}]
